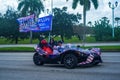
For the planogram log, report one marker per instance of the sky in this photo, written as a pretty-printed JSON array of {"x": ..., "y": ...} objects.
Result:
[{"x": 92, "y": 15}]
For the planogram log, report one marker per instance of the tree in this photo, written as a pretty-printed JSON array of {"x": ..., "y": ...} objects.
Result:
[
  {"x": 86, "y": 6},
  {"x": 9, "y": 27},
  {"x": 90, "y": 23},
  {"x": 1, "y": 24},
  {"x": 117, "y": 19},
  {"x": 28, "y": 7},
  {"x": 78, "y": 30},
  {"x": 102, "y": 30},
  {"x": 117, "y": 33},
  {"x": 63, "y": 22}
]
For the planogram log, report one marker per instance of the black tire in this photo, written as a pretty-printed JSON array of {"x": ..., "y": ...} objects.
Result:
[
  {"x": 37, "y": 59},
  {"x": 70, "y": 61},
  {"x": 96, "y": 63}
]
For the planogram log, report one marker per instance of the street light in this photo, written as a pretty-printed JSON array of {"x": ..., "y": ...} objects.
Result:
[
  {"x": 112, "y": 6},
  {"x": 51, "y": 6}
]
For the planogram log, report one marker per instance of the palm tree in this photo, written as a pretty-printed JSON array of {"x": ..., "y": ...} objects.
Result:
[
  {"x": 86, "y": 6},
  {"x": 90, "y": 23},
  {"x": 28, "y": 7},
  {"x": 117, "y": 20}
]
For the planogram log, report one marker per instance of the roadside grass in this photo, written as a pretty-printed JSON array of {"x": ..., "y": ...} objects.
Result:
[
  {"x": 31, "y": 49},
  {"x": 4, "y": 41},
  {"x": 20, "y": 41},
  {"x": 27, "y": 41},
  {"x": 110, "y": 48},
  {"x": 16, "y": 49},
  {"x": 74, "y": 39}
]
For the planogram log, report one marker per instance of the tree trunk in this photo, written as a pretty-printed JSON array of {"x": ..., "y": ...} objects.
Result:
[
  {"x": 84, "y": 24},
  {"x": 30, "y": 37},
  {"x": 16, "y": 40},
  {"x": 62, "y": 38},
  {"x": 79, "y": 37}
]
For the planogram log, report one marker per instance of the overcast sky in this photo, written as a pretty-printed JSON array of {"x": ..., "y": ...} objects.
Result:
[{"x": 92, "y": 15}]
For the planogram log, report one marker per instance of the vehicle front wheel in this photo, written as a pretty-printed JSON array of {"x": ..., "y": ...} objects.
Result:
[
  {"x": 96, "y": 63},
  {"x": 37, "y": 59},
  {"x": 70, "y": 61}
]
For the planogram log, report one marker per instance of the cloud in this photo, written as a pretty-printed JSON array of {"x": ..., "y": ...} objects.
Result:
[
  {"x": 5, "y": 3},
  {"x": 92, "y": 15},
  {"x": 103, "y": 11}
]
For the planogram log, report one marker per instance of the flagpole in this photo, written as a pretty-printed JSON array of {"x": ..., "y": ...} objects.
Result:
[
  {"x": 30, "y": 36},
  {"x": 52, "y": 20}
]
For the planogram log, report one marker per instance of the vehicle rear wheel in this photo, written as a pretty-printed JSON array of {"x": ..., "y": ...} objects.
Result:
[
  {"x": 37, "y": 59},
  {"x": 70, "y": 61}
]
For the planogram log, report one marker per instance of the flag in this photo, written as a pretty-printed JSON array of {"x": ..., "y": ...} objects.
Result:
[
  {"x": 88, "y": 60},
  {"x": 45, "y": 23},
  {"x": 27, "y": 24}
]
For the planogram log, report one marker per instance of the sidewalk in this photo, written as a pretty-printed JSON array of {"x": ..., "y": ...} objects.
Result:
[{"x": 74, "y": 44}]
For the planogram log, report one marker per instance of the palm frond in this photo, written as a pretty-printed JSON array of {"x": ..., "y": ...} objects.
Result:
[
  {"x": 30, "y": 6},
  {"x": 20, "y": 6},
  {"x": 95, "y": 3},
  {"x": 74, "y": 4},
  {"x": 82, "y": 2}
]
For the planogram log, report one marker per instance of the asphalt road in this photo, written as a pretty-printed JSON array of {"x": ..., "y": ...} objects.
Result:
[{"x": 19, "y": 66}]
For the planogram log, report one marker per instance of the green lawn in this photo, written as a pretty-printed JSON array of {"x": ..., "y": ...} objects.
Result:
[
  {"x": 74, "y": 39},
  {"x": 110, "y": 48},
  {"x": 35, "y": 41},
  {"x": 14, "y": 49}
]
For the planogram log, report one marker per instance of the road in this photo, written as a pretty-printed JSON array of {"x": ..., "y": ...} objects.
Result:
[{"x": 19, "y": 66}]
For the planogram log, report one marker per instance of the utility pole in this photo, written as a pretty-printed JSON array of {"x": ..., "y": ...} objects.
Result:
[{"x": 112, "y": 6}]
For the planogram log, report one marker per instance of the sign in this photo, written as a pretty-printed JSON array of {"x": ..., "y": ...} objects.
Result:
[{"x": 45, "y": 23}]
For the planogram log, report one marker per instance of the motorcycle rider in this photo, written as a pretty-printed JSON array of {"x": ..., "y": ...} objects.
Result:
[
  {"x": 45, "y": 47},
  {"x": 60, "y": 47}
]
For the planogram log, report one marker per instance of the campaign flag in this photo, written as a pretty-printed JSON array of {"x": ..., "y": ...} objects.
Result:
[
  {"x": 27, "y": 24},
  {"x": 45, "y": 23}
]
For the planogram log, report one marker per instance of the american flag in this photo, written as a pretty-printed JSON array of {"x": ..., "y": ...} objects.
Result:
[{"x": 88, "y": 60}]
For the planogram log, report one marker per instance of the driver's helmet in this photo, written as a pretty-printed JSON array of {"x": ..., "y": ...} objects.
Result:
[{"x": 44, "y": 41}]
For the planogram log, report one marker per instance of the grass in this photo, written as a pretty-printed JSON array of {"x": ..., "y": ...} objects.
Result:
[
  {"x": 35, "y": 41},
  {"x": 110, "y": 48},
  {"x": 16, "y": 49},
  {"x": 74, "y": 39},
  {"x": 27, "y": 41},
  {"x": 30, "y": 49},
  {"x": 4, "y": 41}
]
